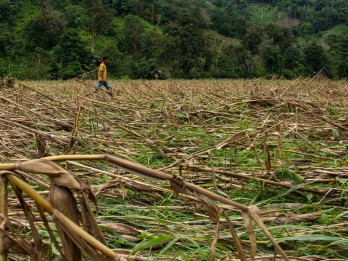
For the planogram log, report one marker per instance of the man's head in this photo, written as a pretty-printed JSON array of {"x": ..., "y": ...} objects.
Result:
[{"x": 105, "y": 60}]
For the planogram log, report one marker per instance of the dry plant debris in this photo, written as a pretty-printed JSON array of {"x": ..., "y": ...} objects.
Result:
[{"x": 174, "y": 170}]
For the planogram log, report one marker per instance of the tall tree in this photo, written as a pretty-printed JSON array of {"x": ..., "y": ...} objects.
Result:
[
  {"x": 252, "y": 40},
  {"x": 99, "y": 20},
  {"x": 44, "y": 30},
  {"x": 316, "y": 59},
  {"x": 279, "y": 36},
  {"x": 187, "y": 34},
  {"x": 272, "y": 59},
  {"x": 71, "y": 54},
  {"x": 235, "y": 62},
  {"x": 339, "y": 53},
  {"x": 134, "y": 33}
]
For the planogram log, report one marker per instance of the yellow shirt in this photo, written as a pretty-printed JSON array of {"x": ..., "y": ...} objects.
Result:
[{"x": 102, "y": 72}]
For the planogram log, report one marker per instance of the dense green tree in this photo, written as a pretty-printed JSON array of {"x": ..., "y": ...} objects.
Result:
[
  {"x": 339, "y": 54},
  {"x": 75, "y": 16},
  {"x": 134, "y": 32},
  {"x": 307, "y": 28},
  {"x": 293, "y": 62},
  {"x": 252, "y": 40},
  {"x": 342, "y": 63},
  {"x": 279, "y": 36},
  {"x": 293, "y": 58},
  {"x": 8, "y": 9},
  {"x": 99, "y": 19},
  {"x": 235, "y": 62},
  {"x": 44, "y": 30},
  {"x": 125, "y": 7},
  {"x": 187, "y": 35},
  {"x": 316, "y": 59},
  {"x": 272, "y": 59},
  {"x": 145, "y": 69},
  {"x": 5, "y": 41},
  {"x": 230, "y": 20},
  {"x": 38, "y": 64},
  {"x": 71, "y": 54}
]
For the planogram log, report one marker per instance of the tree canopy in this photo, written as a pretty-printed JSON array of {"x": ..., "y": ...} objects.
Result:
[{"x": 46, "y": 39}]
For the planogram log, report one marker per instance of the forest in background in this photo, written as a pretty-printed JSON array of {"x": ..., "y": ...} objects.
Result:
[{"x": 154, "y": 39}]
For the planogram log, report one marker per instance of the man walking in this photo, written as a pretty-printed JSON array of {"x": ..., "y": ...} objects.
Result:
[{"x": 102, "y": 75}]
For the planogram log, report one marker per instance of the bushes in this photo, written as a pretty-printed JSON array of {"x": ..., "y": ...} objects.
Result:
[
  {"x": 71, "y": 70},
  {"x": 145, "y": 69}
]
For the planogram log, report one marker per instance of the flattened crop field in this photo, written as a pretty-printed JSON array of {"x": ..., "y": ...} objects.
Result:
[{"x": 180, "y": 170}]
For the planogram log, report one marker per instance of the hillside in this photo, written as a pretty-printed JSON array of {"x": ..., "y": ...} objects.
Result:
[{"x": 46, "y": 39}]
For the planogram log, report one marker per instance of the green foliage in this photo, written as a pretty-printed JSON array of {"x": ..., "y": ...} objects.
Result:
[
  {"x": 189, "y": 42},
  {"x": 7, "y": 9},
  {"x": 71, "y": 55},
  {"x": 38, "y": 64},
  {"x": 235, "y": 62},
  {"x": 252, "y": 40},
  {"x": 315, "y": 58},
  {"x": 71, "y": 70},
  {"x": 99, "y": 17},
  {"x": 5, "y": 41},
  {"x": 117, "y": 65},
  {"x": 145, "y": 69},
  {"x": 279, "y": 36},
  {"x": 183, "y": 38},
  {"x": 272, "y": 58},
  {"x": 75, "y": 16},
  {"x": 43, "y": 31},
  {"x": 134, "y": 32},
  {"x": 338, "y": 43}
]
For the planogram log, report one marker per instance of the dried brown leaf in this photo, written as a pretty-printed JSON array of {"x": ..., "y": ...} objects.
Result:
[
  {"x": 141, "y": 187},
  {"x": 215, "y": 240},
  {"x": 211, "y": 208},
  {"x": 251, "y": 234},
  {"x": 267, "y": 158},
  {"x": 122, "y": 228},
  {"x": 79, "y": 241},
  {"x": 235, "y": 237},
  {"x": 89, "y": 222},
  {"x": 41, "y": 166},
  {"x": 63, "y": 200},
  {"x": 67, "y": 179},
  {"x": 254, "y": 213}
]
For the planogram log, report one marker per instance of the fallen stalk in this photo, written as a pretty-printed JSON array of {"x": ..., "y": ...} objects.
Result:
[
  {"x": 251, "y": 211},
  {"x": 265, "y": 181}
]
